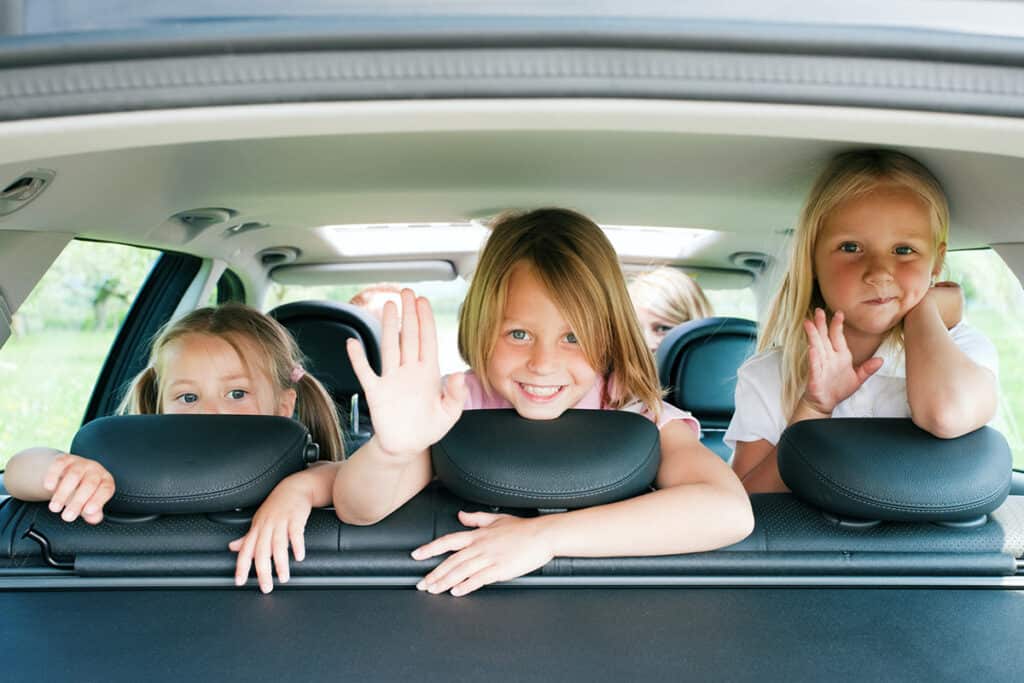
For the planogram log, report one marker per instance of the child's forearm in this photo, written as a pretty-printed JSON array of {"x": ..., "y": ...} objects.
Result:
[
  {"x": 316, "y": 482},
  {"x": 681, "y": 519},
  {"x": 949, "y": 394},
  {"x": 23, "y": 477},
  {"x": 372, "y": 484}
]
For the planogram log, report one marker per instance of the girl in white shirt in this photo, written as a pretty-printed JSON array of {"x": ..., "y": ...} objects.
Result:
[{"x": 859, "y": 328}]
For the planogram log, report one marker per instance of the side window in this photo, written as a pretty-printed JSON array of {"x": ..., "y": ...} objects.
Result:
[
  {"x": 994, "y": 302},
  {"x": 61, "y": 336}
]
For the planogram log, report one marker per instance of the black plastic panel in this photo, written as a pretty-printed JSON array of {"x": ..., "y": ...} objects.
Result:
[{"x": 513, "y": 634}]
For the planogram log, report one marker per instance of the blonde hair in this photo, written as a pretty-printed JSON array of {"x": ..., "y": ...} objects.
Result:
[
  {"x": 573, "y": 259},
  {"x": 670, "y": 294},
  {"x": 237, "y": 324},
  {"x": 847, "y": 176}
]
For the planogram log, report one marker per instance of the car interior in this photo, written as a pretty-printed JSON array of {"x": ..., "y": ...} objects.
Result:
[{"x": 242, "y": 193}]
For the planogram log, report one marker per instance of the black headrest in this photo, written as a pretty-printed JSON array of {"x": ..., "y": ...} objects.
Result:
[
  {"x": 697, "y": 362},
  {"x": 583, "y": 458},
  {"x": 321, "y": 329},
  {"x": 194, "y": 463},
  {"x": 890, "y": 469}
]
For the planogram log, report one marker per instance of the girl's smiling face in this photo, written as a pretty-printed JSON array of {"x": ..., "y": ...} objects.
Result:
[
  {"x": 875, "y": 258},
  {"x": 537, "y": 363},
  {"x": 203, "y": 374}
]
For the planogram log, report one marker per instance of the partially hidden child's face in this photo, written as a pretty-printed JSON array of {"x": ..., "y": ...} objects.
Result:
[
  {"x": 203, "y": 374},
  {"x": 537, "y": 363},
  {"x": 653, "y": 326},
  {"x": 875, "y": 258}
]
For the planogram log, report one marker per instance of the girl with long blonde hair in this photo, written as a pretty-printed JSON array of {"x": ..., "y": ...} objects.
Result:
[{"x": 859, "y": 328}]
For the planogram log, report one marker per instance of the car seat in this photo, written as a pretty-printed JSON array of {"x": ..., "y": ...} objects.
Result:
[
  {"x": 321, "y": 329},
  {"x": 697, "y": 363}
]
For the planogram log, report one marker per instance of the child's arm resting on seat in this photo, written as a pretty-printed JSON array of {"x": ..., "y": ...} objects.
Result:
[
  {"x": 74, "y": 485},
  {"x": 410, "y": 411},
  {"x": 949, "y": 394},
  {"x": 699, "y": 496}
]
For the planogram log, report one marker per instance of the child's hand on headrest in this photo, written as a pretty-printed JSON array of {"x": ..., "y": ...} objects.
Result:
[{"x": 80, "y": 487}]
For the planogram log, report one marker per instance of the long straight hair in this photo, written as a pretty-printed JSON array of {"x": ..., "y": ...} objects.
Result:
[{"x": 847, "y": 176}]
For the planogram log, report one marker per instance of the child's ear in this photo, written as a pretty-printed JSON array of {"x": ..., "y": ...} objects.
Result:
[
  {"x": 940, "y": 259},
  {"x": 286, "y": 403}
]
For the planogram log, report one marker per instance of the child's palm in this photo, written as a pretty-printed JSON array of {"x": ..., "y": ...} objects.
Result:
[
  {"x": 410, "y": 411},
  {"x": 832, "y": 376}
]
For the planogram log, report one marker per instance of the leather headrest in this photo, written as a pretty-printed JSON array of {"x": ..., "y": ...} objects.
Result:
[
  {"x": 890, "y": 469},
  {"x": 194, "y": 463},
  {"x": 582, "y": 458},
  {"x": 321, "y": 329}
]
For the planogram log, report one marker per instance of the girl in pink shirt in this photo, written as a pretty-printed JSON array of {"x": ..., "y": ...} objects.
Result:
[{"x": 547, "y": 325}]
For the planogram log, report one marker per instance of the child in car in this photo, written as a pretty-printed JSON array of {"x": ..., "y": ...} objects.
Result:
[
  {"x": 547, "y": 325},
  {"x": 859, "y": 327},
  {"x": 230, "y": 359},
  {"x": 663, "y": 298}
]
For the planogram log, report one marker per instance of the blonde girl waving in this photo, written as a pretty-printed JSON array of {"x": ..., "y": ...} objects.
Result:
[
  {"x": 859, "y": 328},
  {"x": 547, "y": 325}
]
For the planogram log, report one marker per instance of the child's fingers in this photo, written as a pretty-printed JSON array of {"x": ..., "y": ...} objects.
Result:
[
  {"x": 835, "y": 332},
  {"x": 261, "y": 560},
  {"x": 868, "y": 368},
  {"x": 360, "y": 365},
  {"x": 444, "y": 544},
  {"x": 246, "y": 544},
  {"x": 409, "y": 336},
  {"x": 68, "y": 483},
  {"x": 55, "y": 471},
  {"x": 821, "y": 325},
  {"x": 104, "y": 492},
  {"x": 279, "y": 547},
  {"x": 87, "y": 488},
  {"x": 390, "y": 353},
  {"x": 297, "y": 536},
  {"x": 476, "y": 581},
  {"x": 479, "y": 519},
  {"x": 428, "y": 332},
  {"x": 456, "y": 575}
]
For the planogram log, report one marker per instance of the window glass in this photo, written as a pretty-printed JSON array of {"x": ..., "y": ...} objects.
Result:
[
  {"x": 994, "y": 301},
  {"x": 733, "y": 303},
  {"x": 445, "y": 299},
  {"x": 60, "y": 337}
]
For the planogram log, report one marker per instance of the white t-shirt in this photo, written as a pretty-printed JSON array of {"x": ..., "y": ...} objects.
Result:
[{"x": 759, "y": 388}]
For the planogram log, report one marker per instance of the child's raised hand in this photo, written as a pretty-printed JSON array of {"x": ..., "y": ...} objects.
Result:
[
  {"x": 831, "y": 376},
  {"x": 502, "y": 547},
  {"x": 80, "y": 487},
  {"x": 279, "y": 521},
  {"x": 409, "y": 409}
]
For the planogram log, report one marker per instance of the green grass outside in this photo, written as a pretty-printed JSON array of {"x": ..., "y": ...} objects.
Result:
[{"x": 45, "y": 383}]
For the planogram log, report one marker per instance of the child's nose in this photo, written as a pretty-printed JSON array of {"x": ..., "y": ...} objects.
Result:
[
  {"x": 878, "y": 270},
  {"x": 543, "y": 359}
]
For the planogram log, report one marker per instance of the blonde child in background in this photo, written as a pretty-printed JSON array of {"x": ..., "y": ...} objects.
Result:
[
  {"x": 231, "y": 360},
  {"x": 547, "y": 325},
  {"x": 859, "y": 328},
  {"x": 663, "y": 298}
]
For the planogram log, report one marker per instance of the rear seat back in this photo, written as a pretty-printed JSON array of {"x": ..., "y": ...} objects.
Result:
[
  {"x": 321, "y": 329},
  {"x": 697, "y": 364}
]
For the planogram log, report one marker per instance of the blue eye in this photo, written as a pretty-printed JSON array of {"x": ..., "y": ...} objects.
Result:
[
  {"x": 519, "y": 335},
  {"x": 571, "y": 338},
  {"x": 188, "y": 398},
  {"x": 849, "y": 247},
  {"x": 237, "y": 394},
  {"x": 662, "y": 329},
  {"x": 904, "y": 251}
]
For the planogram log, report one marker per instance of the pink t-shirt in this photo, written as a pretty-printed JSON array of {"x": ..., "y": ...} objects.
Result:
[{"x": 478, "y": 399}]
